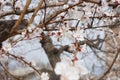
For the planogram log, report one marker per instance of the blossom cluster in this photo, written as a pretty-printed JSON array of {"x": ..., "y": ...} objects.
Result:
[{"x": 70, "y": 70}]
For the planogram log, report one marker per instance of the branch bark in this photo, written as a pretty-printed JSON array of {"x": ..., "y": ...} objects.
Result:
[
  {"x": 35, "y": 12},
  {"x": 32, "y": 10},
  {"x": 52, "y": 52},
  {"x": 7, "y": 25},
  {"x": 110, "y": 67},
  {"x": 21, "y": 17}
]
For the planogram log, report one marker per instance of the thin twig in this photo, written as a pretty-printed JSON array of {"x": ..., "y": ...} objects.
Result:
[
  {"x": 6, "y": 13},
  {"x": 49, "y": 18},
  {"x": 110, "y": 67},
  {"x": 8, "y": 71},
  {"x": 35, "y": 12},
  {"x": 29, "y": 64},
  {"x": 21, "y": 16},
  {"x": 45, "y": 11}
]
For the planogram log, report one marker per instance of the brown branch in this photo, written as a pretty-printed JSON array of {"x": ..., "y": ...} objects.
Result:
[
  {"x": 52, "y": 16},
  {"x": 99, "y": 17},
  {"x": 25, "y": 62},
  {"x": 6, "y": 26},
  {"x": 6, "y": 13},
  {"x": 44, "y": 11},
  {"x": 21, "y": 16},
  {"x": 93, "y": 1},
  {"x": 49, "y": 6},
  {"x": 60, "y": 11},
  {"x": 94, "y": 27},
  {"x": 7, "y": 71},
  {"x": 99, "y": 2},
  {"x": 52, "y": 52},
  {"x": 110, "y": 67},
  {"x": 62, "y": 20},
  {"x": 90, "y": 26},
  {"x": 35, "y": 12},
  {"x": 13, "y": 6}
]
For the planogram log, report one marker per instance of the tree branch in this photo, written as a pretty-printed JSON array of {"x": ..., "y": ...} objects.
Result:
[
  {"x": 110, "y": 67},
  {"x": 21, "y": 17}
]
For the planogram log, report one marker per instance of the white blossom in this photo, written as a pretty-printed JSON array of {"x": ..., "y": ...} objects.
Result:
[
  {"x": 84, "y": 47},
  {"x": 7, "y": 47},
  {"x": 44, "y": 76},
  {"x": 70, "y": 70},
  {"x": 23, "y": 33},
  {"x": 19, "y": 5},
  {"x": 65, "y": 6},
  {"x": 79, "y": 35},
  {"x": 31, "y": 27}
]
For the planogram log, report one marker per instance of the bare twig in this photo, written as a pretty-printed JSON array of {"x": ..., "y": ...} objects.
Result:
[
  {"x": 21, "y": 16},
  {"x": 32, "y": 10},
  {"x": 25, "y": 62},
  {"x": 35, "y": 12},
  {"x": 110, "y": 67},
  {"x": 45, "y": 11},
  {"x": 49, "y": 18},
  {"x": 8, "y": 71}
]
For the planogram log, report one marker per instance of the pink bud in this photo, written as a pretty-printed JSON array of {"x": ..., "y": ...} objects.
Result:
[{"x": 30, "y": 63}]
